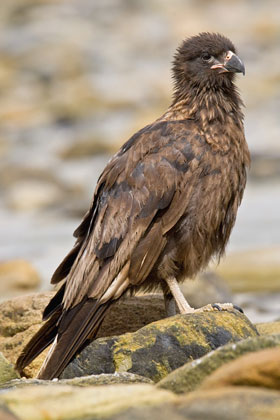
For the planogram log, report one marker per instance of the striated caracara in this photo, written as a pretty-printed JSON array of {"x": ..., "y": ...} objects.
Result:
[{"x": 163, "y": 206}]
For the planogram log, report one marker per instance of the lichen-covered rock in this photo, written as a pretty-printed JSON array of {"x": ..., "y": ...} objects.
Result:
[
  {"x": 160, "y": 347},
  {"x": 260, "y": 369},
  {"x": 192, "y": 374},
  {"x": 103, "y": 379},
  {"x": 64, "y": 402},
  {"x": 7, "y": 371},
  {"x": 21, "y": 317},
  {"x": 268, "y": 328}
]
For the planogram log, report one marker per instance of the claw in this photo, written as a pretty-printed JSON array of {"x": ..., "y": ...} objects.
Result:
[
  {"x": 238, "y": 308},
  {"x": 216, "y": 306}
]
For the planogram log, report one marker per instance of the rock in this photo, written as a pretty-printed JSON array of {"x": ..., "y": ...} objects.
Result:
[
  {"x": 20, "y": 318},
  {"x": 190, "y": 376},
  {"x": 17, "y": 276},
  {"x": 265, "y": 166},
  {"x": 261, "y": 369},
  {"x": 85, "y": 148},
  {"x": 160, "y": 347},
  {"x": 103, "y": 379},
  {"x": 257, "y": 270},
  {"x": 5, "y": 413},
  {"x": 7, "y": 371},
  {"x": 63, "y": 402},
  {"x": 268, "y": 328},
  {"x": 208, "y": 287},
  {"x": 240, "y": 403},
  {"x": 29, "y": 195},
  {"x": 132, "y": 313}
]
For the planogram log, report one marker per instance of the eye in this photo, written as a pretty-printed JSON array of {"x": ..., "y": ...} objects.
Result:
[{"x": 206, "y": 56}]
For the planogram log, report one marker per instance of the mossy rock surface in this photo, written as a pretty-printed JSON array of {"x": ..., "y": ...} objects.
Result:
[
  {"x": 7, "y": 371},
  {"x": 268, "y": 328},
  {"x": 161, "y": 347},
  {"x": 260, "y": 369},
  {"x": 190, "y": 376}
]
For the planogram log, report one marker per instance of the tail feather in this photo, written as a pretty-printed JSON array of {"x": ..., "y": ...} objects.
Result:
[
  {"x": 76, "y": 327},
  {"x": 55, "y": 304},
  {"x": 41, "y": 340}
]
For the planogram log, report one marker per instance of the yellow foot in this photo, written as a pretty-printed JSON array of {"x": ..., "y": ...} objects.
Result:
[{"x": 214, "y": 307}]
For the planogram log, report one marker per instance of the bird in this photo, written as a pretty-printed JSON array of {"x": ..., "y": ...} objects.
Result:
[{"x": 163, "y": 207}]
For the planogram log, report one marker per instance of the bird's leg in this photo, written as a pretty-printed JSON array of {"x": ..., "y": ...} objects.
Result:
[
  {"x": 179, "y": 298},
  {"x": 185, "y": 308},
  {"x": 170, "y": 304}
]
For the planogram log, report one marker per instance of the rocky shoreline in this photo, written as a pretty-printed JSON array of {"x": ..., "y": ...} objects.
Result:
[{"x": 186, "y": 366}]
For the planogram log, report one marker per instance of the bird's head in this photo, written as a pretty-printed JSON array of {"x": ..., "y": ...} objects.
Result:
[{"x": 206, "y": 60}]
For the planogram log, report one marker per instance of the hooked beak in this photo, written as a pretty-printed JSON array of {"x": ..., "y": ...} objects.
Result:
[{"x": 232, "y": 63}]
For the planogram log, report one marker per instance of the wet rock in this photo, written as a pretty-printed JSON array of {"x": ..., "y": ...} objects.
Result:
[
  {"x": 61, "y": 402},
  {"x": 208, "y": 287},
  {"x": 257, "y": 270},
  {"x": 17, "y": 276},
  {"x": 7, "y": 371},
  {"x": 160, "y": 347},
  {"x": 268, "y": 328},
  {"x": 261, "y": 369},
  {"x": 190, "y": 376}
]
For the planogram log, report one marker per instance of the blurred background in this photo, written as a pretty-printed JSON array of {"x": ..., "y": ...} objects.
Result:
[{"x": 78, "y": 78}]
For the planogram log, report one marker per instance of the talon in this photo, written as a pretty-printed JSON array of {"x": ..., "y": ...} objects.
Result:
[
  {"x": 216, "y": 306},
  {"x": 238, "y": 308}
]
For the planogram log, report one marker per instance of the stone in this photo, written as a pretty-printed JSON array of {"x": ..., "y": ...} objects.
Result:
[
  {"x": 232, "y": 403},
  {"x": 103, "y": 379},
  {"x": 256, "y": 271},
  {"x": 268, "y": 328},
  {"x": 160, "y": 347},
  {"x": 86, "y": 147},
  {"x": 190, "y": 376},
  {"x": 132, "y": 313},
  {"x": 260, "y": 369},
  {"x": 17, "y": 276},
  {"x": 30, "y": 195},
  {"x": 7, "y": 371},
  {"x": 5, "y": 413},
  {"x": 20, "y": 319},
  {"x": 64, "y": 402}
]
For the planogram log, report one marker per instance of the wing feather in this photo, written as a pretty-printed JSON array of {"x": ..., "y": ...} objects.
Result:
[{"x": 147, "y": 181}]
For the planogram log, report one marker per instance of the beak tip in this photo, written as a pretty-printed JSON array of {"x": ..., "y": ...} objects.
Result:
[{"x": 235, "y": 65}]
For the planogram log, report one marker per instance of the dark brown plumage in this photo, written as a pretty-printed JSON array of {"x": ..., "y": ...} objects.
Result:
[{"x": 163, "y": 206}]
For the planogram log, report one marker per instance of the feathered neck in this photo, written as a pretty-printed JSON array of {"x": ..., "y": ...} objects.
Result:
[{"x": 208, "y": 101}]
